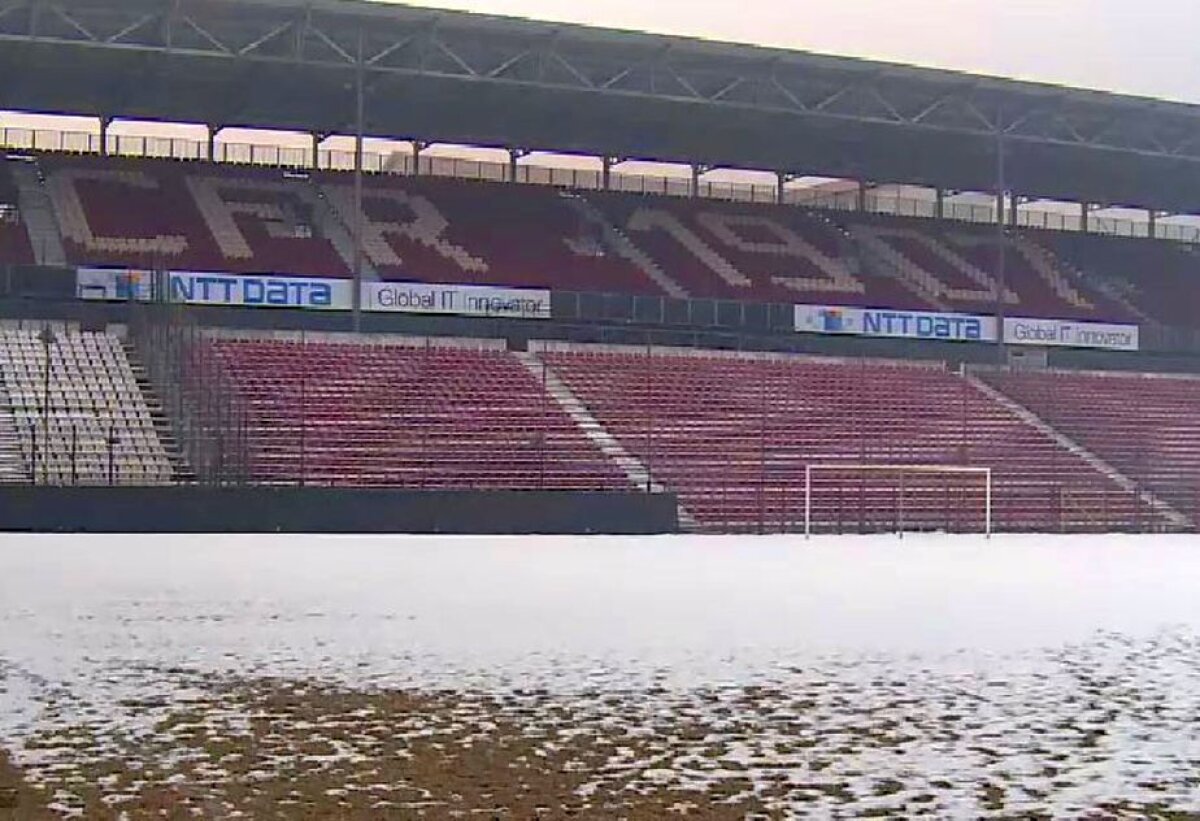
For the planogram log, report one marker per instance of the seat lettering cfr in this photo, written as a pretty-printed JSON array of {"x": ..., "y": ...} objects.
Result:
[
  {"x": 63, "y": 186},
  {"x": 412, "y": 219},
  {"x": 222, "y": 201}
]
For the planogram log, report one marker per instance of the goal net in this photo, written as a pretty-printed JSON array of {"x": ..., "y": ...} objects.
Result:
[{"x": 892, "y": 498}]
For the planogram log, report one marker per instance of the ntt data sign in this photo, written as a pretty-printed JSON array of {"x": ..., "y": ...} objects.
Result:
[
  {"x": 830, "y": 319},
  {"x": 1065, "y": 333},
  {"x": 232, "y": 290},
  {"x": 193, "y": 288},
  {"x": 467, "y": 300}
]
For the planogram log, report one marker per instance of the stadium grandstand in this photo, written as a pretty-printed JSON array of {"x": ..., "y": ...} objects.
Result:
[{"x": 905, "y": 305}]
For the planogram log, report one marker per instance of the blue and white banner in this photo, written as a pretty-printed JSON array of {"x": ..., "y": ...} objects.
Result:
[
  {"x": 194, "y": 288},
  {"x": 1071, "y": 334},
  {"x": 467, "y": 300},
  {"x": 260, "y": 291},
  {"x": 832, "y": 319}
]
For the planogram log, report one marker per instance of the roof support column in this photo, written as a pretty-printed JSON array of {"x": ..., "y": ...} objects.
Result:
[
  {"x": 698, "y": 170},
  {"x": 1014, "y": 203},
  {"x": 360, "y": 117},
  {"x": 1085, "y": 211},
  {"x": 860, "y": 201},
  {"x": 939, "y": 203},
  {"x": 210, "y": 141},
  {"x": 105, "y": 122},
  {"x": 606, "y": 167},
  {"x": 1001, "y": 244},
  {"x": 782, "y": 178},
  {"x": 1152, "y": 225},
  {"x": 318, "y": 137},
  {"x": 514, "y": 156},
  {"x": 417, "y": 147}
]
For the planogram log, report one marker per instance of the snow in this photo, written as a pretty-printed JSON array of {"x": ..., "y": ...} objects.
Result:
[{"x": 962, "y": 658}]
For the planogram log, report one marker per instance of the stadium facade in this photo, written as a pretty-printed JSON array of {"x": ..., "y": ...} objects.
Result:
[{"x": 766, "y": 358}]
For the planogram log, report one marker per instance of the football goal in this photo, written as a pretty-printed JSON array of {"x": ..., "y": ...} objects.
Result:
[{"x": 874, "y": 497}]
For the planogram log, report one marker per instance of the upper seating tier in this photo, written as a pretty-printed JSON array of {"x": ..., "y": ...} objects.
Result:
[{"x": 210, "y": 217}]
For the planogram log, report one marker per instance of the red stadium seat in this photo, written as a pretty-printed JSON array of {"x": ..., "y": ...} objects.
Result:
[{"x": 401, "y": 416}]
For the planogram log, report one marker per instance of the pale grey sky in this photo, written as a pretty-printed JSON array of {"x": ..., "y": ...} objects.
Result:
[{"x": 1149, "y": 48}]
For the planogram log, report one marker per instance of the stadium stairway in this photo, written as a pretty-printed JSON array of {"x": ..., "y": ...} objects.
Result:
[
  {"x": 181, "y": 471},
  {"x": 37, "y": 212},
  {"x": 13, "y": 468},
  {"x": 637, "y": 471}
]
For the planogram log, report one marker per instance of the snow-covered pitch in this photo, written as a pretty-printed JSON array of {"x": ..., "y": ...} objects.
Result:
[{"x": 951, "y": 676}]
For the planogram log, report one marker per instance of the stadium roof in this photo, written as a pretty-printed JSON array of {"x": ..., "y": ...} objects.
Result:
[{"x": 447, "y": 76}]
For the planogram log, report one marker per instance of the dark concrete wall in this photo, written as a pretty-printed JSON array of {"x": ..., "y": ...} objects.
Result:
[{"x": 183, "y": 509}]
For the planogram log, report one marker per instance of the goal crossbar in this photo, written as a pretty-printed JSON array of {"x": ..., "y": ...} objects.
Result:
[{"x": 877, "y": 467}]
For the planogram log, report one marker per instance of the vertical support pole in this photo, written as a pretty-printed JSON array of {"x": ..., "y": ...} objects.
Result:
[
  {"x": 939, "y": 203},
  {"x": 359, "y": 127},
  {"x": 1152, "y": 227},
  {"x": 1085, "y": 213},
  {"x": 987, "y": 524},
  {"x": 697, "y": 170},
  {"x": 112, "y": 445},
  {"x": 807, "y": 500},
  {"x": 514, "y": 154},
  {"x": 543, "y": 433},
  {"x": 762, "y": 453},
  {"x": 649, "y": 422},
  {"x": 861, "y": 197},
  {"x": 1001, "y": 242},
  {"x": 303, "y": 424},
  {"x": 210, "y": 142},
  {"x": 314, "y": 161},
  {"x": 105, "y": 122},
  {"x": 417, "y": 147},
  {"x": 47, "y": 337},
  {"x": 606, "y": 166},
  {"x": 781, "y": 179},
  {"x": 33, "y": 451}
]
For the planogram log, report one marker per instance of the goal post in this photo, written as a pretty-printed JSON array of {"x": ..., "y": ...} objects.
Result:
[{"x": 907, "y": 477}]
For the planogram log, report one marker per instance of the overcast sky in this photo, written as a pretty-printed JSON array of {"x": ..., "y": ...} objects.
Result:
[{"x": 1150, "y": 48}]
